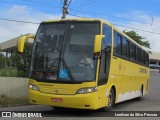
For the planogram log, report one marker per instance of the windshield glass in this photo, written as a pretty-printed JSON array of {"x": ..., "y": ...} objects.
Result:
[{"x": 63, "y": 52}]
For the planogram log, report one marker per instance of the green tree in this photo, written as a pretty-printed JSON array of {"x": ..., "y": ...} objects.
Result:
[
  {"x": 2, "y": 60},
  {"x": 139, "y": 39},
  {"x": 22, "y": 61}
]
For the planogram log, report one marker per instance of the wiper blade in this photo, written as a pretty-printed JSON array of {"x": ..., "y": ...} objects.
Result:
[{"x": 55, "y": 61}]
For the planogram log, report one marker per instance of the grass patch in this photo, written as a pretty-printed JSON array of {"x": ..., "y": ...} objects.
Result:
[{"x": 12, "y": 101}]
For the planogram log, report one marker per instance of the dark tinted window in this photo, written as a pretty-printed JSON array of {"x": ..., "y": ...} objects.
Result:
[
  {"x": 143, "y": 57},
  {"x": 147, "y": 59},
  {"x": 105, "y": 58},
  {"x": 117, "y": 44},
  {"x": 125, "y": 48},
  {"x": 107, "y": 31},
  {"x": 138, "y": 54},
  {"x": 133, "y": 52},
  {"x": 128, "y": 49}
]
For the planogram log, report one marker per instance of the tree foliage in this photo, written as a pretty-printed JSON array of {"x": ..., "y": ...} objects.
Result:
[
  {"x": 2, "y": 60},
  {"x": 19, "y": 64},
  {"x": 22, "y": 61},
  {"x": 139, "y": 39}
]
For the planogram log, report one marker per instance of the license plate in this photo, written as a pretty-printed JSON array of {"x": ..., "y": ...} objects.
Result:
[{"x": 59, "y": 100}]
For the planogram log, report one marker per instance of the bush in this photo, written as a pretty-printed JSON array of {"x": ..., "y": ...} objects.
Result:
[
  {"x": 21, "y": 74},
  {"x": 8, "y": 72}
]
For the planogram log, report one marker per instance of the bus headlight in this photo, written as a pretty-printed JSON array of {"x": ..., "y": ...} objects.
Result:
[
  {"x": 33, "y": 87},
  {"x": 86, "y": 90}
]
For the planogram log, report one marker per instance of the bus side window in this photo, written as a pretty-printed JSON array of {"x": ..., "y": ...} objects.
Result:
[
  {"x": 133, "y": 51},
  {"x": 125, "y": 47},
  {"x": 138, "y": 54},
  {"x": 117, "y": 44},
  {"x": 147, "y": 59},
  {"x": 107, "y": 40},
  {"x": 143, "y": 57},
  {"x": 105, "y": 52}
]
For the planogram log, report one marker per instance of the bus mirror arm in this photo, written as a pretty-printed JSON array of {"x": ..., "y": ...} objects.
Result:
[
  {"x": 21, "y": 42},
  {"x": 97, "y": 56},
  {"x": 98, "y": 43},
  {"x": 97, "y": 46},
  {"x": 108, "y": 48}
]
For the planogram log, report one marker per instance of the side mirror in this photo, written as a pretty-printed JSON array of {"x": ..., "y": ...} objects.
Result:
[
  {"x": 98, "y": 43},
  {"x": 21, "y": 42}
]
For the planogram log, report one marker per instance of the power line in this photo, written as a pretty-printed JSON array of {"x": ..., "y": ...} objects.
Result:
[
  {"x": 108, "y": 16},
  {"x": 77, "y": 16},
  {"x": 37, "y": 3},
  {"x": 124, "y": 26},
  {"x": 51, "y": 6},
  {"x": 20, "y": 21},
  {"x": 44, "y": 5},
  {"x": 87, "y": 3},
  {"x": 101, "y": 13},
  {"x": 72, "y": 15},
  {"x": 137, "y": 29},
  {"x": 107, "y": 8},
  {"x": 69, "y": 4}
]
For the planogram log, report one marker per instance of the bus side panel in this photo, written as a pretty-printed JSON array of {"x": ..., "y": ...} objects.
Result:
[
  {"x": 116, "y": 74},
  {"x": 128, "y": 77}
]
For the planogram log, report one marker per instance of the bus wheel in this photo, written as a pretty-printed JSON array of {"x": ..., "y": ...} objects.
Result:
[
  {"x": 141, "y": 94},
  {"x": 111, "y": 101}
]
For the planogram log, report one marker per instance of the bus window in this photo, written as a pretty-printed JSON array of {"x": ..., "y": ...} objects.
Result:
[
  {"x": 138, "y": 54},
  {"x": 102, "y": 70},
  {"x": 147, "y": 59},
  {"x": 107, "y": 31},
  {"x": 125, "y": 48},
  {"x": 105, "y": 60},
  {"x": 133, "y": 52},
  {"x": 117, "y": 44},
  {"x": 143, "y": 57}
]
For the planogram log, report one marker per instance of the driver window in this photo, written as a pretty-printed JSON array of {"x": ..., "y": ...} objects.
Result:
[{"x": 105, "y": 55}]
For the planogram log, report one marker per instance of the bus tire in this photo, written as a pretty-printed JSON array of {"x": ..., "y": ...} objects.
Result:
[
  {"x": 141, "y": 94},
  {"x": 111, "y": 101}
]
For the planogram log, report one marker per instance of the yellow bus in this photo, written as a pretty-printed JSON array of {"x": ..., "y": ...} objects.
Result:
[{"x": 85, "y": 64}]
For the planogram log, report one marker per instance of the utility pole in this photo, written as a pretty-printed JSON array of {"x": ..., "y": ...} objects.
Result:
[{"x": 65, "y": 11}]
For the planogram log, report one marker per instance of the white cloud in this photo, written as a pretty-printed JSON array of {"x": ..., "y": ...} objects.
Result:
[
  {"x": 143, "y": 21},
  {"x": 9, "y": 30}
]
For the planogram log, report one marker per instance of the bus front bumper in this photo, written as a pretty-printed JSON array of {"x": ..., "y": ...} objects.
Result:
[{"x": 80, "y": 101}]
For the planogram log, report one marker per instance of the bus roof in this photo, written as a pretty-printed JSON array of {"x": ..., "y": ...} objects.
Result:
[{"x": 97, "y": 19}]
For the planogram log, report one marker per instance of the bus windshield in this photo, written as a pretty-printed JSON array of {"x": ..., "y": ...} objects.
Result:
[{"x": 63, "y": 52}]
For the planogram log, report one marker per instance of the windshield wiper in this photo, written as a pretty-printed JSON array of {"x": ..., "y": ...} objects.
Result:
[
  {"x": 55, "y": 61},
  {"x": 65, "y": 65}
]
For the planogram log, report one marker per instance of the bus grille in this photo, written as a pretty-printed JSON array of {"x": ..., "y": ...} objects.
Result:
[{"x": 59, "y": 91}]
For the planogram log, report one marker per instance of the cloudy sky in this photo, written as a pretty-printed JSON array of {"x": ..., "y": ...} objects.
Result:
[{"x": 139, "y": 14}]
